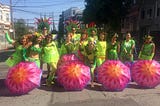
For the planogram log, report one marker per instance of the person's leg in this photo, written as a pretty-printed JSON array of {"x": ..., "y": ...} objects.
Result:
[
  {"x": 48, "y": 69},
  {"x": 92, "y": 76},
  {"x": 51, "y": 76}
]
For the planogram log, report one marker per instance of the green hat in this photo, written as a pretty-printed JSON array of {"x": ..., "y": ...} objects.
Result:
[{"x": 148, "y": 37}]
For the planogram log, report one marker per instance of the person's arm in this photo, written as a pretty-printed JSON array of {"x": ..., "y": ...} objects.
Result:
[
  {"x": 139, "y": 56},
  {"x": 133, "y": 47},
  {"x": 9, "y": 40},
  {"x": 118, "y": 48},
  {"x": 153, "y": 52}
]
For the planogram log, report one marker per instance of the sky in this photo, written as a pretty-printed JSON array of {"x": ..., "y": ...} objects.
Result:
[{"x": 31, "y": 9}]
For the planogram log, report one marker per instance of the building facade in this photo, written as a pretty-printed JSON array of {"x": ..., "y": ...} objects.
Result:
[
  {"x": 5, "y": 23},
  {"x": 71, "y": 12},
  {"x": 143, "y": 19}
]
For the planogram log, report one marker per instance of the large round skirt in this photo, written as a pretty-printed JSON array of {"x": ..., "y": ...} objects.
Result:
[
  {"x": 23, "y": 77},
  {"x": 73, "y": 75},
  {"x": 113, "y": 75},
  {"x": 146, "y": 73}
]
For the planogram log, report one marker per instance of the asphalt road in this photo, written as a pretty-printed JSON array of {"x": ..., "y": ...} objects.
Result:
[{"x": 56, "y": 95}]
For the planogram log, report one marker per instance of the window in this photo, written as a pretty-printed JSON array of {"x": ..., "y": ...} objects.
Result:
[
  {"x": 74, "y": 12},
  {"x": 122, "y": 23},
  {"x": 149, "y": 13},
  {"x": 7, "y": 17},
  {"x": 158, "y": 10},
  {"x": 142, "y": 14},
  {"x": 1, "y": 15}
]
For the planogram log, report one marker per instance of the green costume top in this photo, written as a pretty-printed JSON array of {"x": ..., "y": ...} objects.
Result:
[
  {"x": 66, "y": 48},
  {"x": 112, "y": 51},
  {"x": 76, "y": 37},
  {"x": 33, "y": 49},
  {"x": 90, "y": 56},
  {"x": 82, "y": 46},
  {"x": 146, "y": 52},
  {"x": 75, "y": 40},
  {"x": 50, "y": 53},
  {"x": 126, "y": 50},
  {"x": 101, "y": 54},
  {"x": 16, "y": 57},
  {"x": 18, "y": 52},
  {"x": 101, "y": 45}
]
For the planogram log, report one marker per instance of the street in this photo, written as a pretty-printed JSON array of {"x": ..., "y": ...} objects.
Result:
[{"x": 133, "y": 95}]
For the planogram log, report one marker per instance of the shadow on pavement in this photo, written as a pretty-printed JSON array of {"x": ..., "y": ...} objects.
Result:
[
  {"x": 4, "y": 92},
  {"x": 97, "y": 87},
  {"x": 53, "y": 88}
]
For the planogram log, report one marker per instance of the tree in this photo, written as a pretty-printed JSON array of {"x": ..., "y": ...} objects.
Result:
[
  {"x": 61, "y": 29},
  {"x": 20, "y": 28},
  {"x": 107, "y": 12}
]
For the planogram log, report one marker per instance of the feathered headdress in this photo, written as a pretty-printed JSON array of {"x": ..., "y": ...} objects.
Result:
[
  {"x": 148, "y": 37},
  {"x": 43, "y": 23},
  {"x": 69, "y": 24},
  {"x": 91, "y": 27}
]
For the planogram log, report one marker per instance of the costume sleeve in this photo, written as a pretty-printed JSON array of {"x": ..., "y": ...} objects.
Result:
[
  {"x": 9, "y": 40},
  {"x": 63, "y": 50},
  {"x": 36, "y": 49},
  {"x": 24, "y": 54}
]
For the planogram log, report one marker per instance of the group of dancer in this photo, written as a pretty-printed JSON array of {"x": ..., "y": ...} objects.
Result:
[{"x": 90, "y": 47}]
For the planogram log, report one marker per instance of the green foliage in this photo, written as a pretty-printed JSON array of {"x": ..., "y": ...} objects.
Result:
[
  {"x": 60, "y": 37},
  {"x": 108, "y": 12},
  {"x": 20, "y": 28}
]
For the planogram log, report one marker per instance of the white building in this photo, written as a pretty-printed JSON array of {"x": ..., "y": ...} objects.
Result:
[
  {"x": 5, "y": 23},
  {"x": 71, "y": 12}
]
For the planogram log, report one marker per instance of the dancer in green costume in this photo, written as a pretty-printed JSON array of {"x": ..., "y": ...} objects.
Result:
[
  {"x": 102, "y": 46},
  {"x": 113, "y": 48},
  {"x": 50, "y": 55},
  {"x": 90, "y": 57},
  {"x": 75, "y": 39},
  {"x": 82, "y": 44},
  {"x": 35, "y": 50},
  {"x": 148, "y": 49},
  {"x": 72, "y": 27},
  {"x": 127, "y": 49},
  {"x": 93, "y": 34},
  {"x": 20, "y": 50},
  {"x": 67, "y": 47}
]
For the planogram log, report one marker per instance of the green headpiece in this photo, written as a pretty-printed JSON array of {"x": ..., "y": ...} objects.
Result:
[
  {"x": 91, "y": 27},
  {"x": 71, "y": 24},
  {"x": 43, "y": 23},
  {"x": 148, "y": 37}
]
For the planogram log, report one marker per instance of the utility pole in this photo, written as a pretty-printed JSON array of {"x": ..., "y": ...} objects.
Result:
[{"x": 12, "y": 23}]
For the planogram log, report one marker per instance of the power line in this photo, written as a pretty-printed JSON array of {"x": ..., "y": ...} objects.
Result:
[
  {"x": 16, "y": 2},
  {"x": 36, "y": 13},
  {"x": 47, "y": 5}
]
